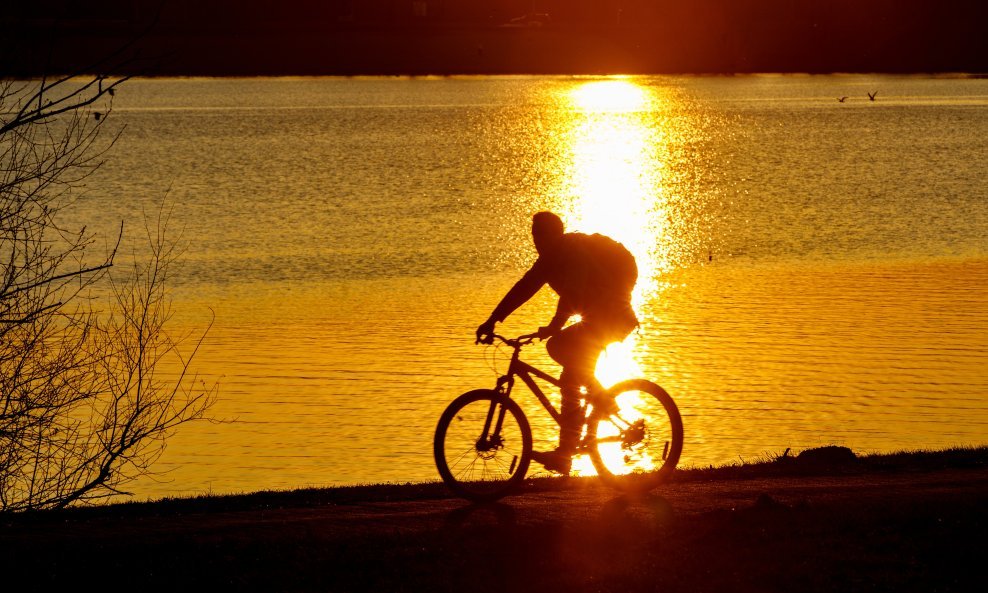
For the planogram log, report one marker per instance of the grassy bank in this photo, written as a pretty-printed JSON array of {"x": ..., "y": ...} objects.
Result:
[{"x": 832, "y": 461}]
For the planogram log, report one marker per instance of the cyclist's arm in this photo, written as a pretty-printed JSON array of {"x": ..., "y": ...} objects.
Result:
[
  {"x": 563, "y": 312},
  {"x": 533, "y": 280}
]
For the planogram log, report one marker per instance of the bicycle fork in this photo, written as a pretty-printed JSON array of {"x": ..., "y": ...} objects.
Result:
[{"x": 490, "y": 440}]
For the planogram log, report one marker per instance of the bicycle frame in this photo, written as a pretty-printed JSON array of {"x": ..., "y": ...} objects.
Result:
[{"x": 520, "y": 368}]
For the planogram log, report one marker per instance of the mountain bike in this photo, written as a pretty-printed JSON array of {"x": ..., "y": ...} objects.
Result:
[{"x": 632, "y": 432}]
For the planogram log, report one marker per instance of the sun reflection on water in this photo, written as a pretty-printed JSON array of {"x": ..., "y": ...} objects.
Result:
[
  {"x": 616, "y": 187},
  {"x": 614, "y": 95}
]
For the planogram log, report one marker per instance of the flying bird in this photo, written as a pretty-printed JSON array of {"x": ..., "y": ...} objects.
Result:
[
  {"x": 841, "y": 99},
  {"x": 871, "y": 96}
]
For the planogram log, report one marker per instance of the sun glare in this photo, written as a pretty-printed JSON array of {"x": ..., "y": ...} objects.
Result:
[{"x": 614, "y": 95}]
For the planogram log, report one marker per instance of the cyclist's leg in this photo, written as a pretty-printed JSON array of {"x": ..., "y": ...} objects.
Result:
[
  {"x": 576, "y": 348},
  {"x": 570, "y": 421}
]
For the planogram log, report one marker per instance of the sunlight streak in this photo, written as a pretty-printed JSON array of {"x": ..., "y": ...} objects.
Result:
[
  {"x": 622, "y": 175},
  {"x": 613, "y": 179}
]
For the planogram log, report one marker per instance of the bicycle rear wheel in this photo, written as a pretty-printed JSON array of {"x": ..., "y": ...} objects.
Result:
[
  {"x": 483, "y": 445},
  {"x": 636, "y": 447}
]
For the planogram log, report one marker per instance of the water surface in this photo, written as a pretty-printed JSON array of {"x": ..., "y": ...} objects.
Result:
[{"x": 813, "y": 272}]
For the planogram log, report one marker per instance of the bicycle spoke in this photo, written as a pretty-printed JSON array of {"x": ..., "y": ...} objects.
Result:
[
  {"x": 500, "y": 463},
  {"x": 469, "y": 453}
]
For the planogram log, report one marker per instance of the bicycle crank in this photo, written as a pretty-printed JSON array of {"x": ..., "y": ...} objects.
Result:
[{"x": 634, "y": 434}]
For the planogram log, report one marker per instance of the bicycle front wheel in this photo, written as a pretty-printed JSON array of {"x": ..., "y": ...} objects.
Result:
[
  {"x": 483, "y": 445},
  {"x": 636, "y": 445}
]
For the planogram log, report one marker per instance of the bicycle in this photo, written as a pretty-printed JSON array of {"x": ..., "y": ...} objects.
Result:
[{"x": 632, "y": 432}]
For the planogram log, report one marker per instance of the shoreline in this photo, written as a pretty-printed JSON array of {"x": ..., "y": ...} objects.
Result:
[{"x": 820, "y": 461}]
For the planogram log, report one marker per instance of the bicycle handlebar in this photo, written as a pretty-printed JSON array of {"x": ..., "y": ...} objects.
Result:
[{"x": 522, "y": 340}]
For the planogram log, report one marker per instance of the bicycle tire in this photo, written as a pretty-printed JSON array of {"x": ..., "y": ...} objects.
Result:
[
  {"x": 632, "y": 457},
  {"x": 475, "y": 469}
]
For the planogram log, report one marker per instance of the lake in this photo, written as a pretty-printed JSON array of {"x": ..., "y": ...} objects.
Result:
[{"x": 813, "y": 272}]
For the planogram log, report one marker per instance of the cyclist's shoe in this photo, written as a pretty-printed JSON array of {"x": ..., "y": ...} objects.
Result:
[{"x": 554, "y": 461}]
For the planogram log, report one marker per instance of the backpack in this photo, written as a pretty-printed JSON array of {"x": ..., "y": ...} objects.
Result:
[{"x": 615, "y": 265}]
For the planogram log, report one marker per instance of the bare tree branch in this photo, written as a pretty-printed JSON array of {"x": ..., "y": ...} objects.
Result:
[{"x": 84, "y": 409}]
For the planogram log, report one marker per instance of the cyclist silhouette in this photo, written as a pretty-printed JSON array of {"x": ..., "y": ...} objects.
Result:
[{"x": 593, "y": 276}]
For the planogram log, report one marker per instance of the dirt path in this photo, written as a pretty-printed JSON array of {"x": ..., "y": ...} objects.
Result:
[{"x": 901, "y": 531}]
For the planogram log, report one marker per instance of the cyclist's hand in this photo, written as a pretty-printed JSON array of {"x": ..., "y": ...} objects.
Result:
[
  {"x": 485, "y": 333},
  {"x": 546, "y": 332}
]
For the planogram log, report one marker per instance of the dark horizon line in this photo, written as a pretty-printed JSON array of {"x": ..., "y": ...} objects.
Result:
[
  {"x": 452, "y": 57},
  {"x": 449, "y": 50},
  {"x": 951, "y": 74}
]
